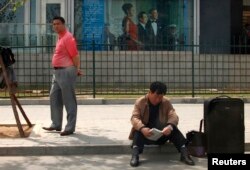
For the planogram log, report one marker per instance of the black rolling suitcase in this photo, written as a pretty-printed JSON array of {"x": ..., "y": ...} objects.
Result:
[{"x": 224, "y": 125}]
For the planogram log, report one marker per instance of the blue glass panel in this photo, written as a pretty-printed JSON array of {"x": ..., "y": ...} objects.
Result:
[{"x": 93, "y": 21}]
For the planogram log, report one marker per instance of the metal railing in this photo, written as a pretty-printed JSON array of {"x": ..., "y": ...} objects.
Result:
[{"x": 187, "y": 72}]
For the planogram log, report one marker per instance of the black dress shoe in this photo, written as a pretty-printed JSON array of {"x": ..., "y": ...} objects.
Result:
[
  {"x": 65, "y": 133},
  {"x": 185, "y": 157},
  {"x": 134, "y": 162},
  {"x": 51, "y": 129}
]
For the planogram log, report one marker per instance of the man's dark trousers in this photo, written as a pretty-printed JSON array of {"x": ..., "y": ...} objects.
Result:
[{"x": 175, "y": 137}]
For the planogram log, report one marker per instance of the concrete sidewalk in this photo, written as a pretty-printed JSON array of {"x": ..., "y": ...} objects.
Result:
[{"x": 101, "y": 129}]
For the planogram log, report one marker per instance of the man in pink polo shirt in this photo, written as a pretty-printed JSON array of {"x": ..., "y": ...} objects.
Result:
[{"x": 66, "y": 64}]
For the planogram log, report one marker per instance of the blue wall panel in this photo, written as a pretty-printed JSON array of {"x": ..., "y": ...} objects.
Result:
[{"x": 93, "y": 21}]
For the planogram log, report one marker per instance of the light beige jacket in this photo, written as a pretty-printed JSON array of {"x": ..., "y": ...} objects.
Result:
[{"x": 140, "y": 114}]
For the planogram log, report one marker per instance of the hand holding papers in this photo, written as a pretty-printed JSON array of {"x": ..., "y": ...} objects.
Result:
[{"x": 156, "y": 134}]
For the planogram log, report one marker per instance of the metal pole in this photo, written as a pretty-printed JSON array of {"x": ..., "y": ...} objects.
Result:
[
  {"x": 193, "y": 69},
  {"x": 93, "y": 51},
  {"x": 193, "y": 49}
]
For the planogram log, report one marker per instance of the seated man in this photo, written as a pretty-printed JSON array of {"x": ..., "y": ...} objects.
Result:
[{"x": 155, "y": 111}]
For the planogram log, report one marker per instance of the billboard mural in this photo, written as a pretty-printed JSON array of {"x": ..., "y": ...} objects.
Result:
[{"x": 137, "y": 24}]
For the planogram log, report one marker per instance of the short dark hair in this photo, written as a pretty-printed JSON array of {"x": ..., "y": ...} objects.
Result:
[
  {"x": 151, "y": 10},
  {"x": 140, "y": 15},
  {"x": 158, "y": 87},
  {"x": 59, "y": 18},
  {"x": 126, "y": 7}
]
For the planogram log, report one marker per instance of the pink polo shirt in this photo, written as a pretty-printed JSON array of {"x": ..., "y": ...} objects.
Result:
[{"x": 65, "y": 50}]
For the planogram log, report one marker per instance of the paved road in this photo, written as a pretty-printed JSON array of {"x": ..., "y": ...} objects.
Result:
[{"x": 98, "y": 162}]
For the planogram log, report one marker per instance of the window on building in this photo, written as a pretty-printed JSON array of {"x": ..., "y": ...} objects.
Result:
[{"x": 10, "y": 24}]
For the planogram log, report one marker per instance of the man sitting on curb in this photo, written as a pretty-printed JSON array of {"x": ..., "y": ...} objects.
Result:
[{"x": 155, "y": 111}]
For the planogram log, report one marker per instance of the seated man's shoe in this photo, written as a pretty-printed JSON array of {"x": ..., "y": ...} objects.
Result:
[
  {"x": 185, "y": 157},
  {"x": 134, "y": 162},
  {"x": 51, "y": 129},
  {"x": 66, "y": 133}
]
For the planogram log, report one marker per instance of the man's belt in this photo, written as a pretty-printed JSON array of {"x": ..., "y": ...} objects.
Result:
[{"x": 57, "y": 68}]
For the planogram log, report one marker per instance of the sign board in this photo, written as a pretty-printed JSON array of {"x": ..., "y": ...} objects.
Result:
[{"x": 93, "y": 22}]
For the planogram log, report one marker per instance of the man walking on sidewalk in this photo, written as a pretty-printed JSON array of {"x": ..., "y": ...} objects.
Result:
[
  {"x": 154, "y": 111},
  {"x": 66, "y": 64}
]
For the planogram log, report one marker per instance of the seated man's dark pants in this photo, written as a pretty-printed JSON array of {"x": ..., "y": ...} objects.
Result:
[{"x": 175, "y": 137}]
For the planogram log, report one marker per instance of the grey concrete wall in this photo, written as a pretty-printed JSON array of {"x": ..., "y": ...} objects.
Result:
[{"x": 138, "y": 68}]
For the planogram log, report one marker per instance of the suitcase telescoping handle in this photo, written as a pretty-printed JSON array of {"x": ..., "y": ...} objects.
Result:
[
  {"x": 222, "y": 96},
  {"x": 201, "y": 122}
]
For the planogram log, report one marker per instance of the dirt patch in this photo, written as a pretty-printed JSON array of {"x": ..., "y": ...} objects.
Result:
[{"x": 11, "y": 131}]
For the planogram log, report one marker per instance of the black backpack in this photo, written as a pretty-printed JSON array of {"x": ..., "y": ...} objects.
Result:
[{"x": 7, "y": 56}]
